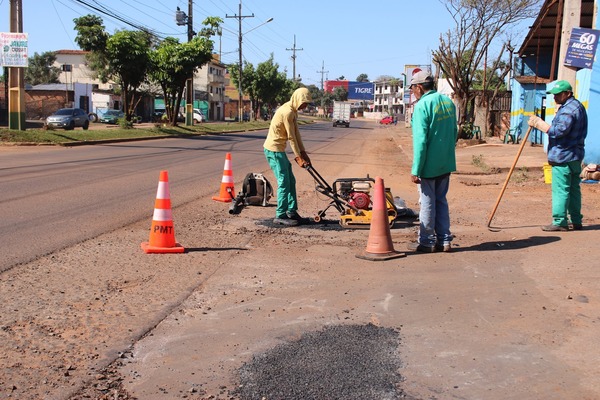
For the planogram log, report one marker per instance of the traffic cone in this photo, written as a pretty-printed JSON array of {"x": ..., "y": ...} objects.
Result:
[
  {"x": 162, "y": 234},
  {"x": 227, "y": 190},
  {"x": 379, "y": 246}
]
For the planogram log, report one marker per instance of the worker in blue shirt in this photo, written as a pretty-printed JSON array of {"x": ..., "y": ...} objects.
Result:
[{"x": 566, "y": 140}]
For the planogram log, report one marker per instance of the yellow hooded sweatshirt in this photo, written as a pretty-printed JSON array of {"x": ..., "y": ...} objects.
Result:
[{"x": 284, "y": 125}]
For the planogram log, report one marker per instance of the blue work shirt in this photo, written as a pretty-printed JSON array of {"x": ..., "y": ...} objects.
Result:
[{"x": 567, "y": 133}]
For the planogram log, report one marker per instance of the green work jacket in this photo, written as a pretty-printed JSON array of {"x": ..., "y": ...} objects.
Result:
[{"x": 434, "y": 136}]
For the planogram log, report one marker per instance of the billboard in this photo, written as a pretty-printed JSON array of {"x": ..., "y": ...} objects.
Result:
[
  {"x": 361, "y": 90},
  {"x": 582, "y": 48},
  {"x": 356, "y": 90},
  {"x": 409, "y": 71},
  {"x": 13, "y": 49}
]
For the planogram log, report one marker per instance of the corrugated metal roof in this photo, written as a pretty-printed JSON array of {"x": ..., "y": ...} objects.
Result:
[
  {"x": 50, "y": 86},
  {"x": 546, "y": 30}
]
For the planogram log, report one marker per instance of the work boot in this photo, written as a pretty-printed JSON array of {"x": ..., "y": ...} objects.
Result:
[
  {"x": 422, "y": 248},
  {"x": 577, "y": 227},
  {"x": 554, "y": 228},
  {"x": 293, "y": 215},
  {"x": 285, "y": 221},
  {"x": 446, "y": 247}
]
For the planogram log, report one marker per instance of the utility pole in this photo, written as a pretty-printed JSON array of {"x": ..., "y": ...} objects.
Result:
[
  {"x": 571, "y": 13},
  {"x": 322, "y": 72},
  {"x": 16, "y": 75},
  {"x": 240, "y": 92},
  {"x": 182, "y": 19},
  {"x": 294, "y": 49},
  {"x": 189, "y": 101}
]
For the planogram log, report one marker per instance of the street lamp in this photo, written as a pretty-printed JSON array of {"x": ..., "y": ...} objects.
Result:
[{"x": 240, "y": 92}]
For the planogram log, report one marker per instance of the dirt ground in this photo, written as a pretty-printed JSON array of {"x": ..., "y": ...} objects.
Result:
[{"x": 511, "y": 313}]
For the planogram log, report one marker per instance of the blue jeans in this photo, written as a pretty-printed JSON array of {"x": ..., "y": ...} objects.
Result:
[
  {"x": 434, "y": 215},
  {"x": 286, "y": 182}
]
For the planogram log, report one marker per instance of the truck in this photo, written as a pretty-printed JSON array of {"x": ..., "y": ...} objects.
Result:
[{"x": 341, "y": 113}]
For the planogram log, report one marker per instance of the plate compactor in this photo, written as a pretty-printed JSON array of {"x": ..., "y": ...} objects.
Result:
[{"x": 352, "y": 198}]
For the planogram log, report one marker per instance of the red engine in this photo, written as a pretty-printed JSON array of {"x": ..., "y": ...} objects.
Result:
[{"x": 359, "y": 200}]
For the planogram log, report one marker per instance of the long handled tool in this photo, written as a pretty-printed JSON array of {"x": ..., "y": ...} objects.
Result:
[{"x": 508, "y": 176}]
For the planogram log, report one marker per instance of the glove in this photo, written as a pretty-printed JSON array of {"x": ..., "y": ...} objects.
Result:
[
  {"x": 305, "y": 157},
  {"x": 538, "y": 123},
  {"x": 302, "y": 160}
]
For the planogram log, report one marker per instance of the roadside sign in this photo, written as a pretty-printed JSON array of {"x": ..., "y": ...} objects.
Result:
[
  {"x": 13, "y": 49},
  {"x": 582, "y": 48}
]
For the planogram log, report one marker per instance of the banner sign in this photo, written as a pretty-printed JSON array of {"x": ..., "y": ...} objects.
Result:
[
  {"x": 582, "y": 48},
  {"x": 13, "y": 49},
  {"x": 361, "y": 90}
]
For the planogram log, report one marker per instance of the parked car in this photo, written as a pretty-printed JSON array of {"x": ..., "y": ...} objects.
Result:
[
  {"x": 387, "y": 120},
  {"x": 68, "y": 118},
  {"x": 198, "y": 116},
  {"x": 112, "y": 116}
]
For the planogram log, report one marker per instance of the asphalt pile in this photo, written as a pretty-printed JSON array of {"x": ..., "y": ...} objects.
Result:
[{"x": 349, "y": 362}]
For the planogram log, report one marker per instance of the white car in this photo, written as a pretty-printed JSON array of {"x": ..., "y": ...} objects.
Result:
[{"x": 198, "y": 116}]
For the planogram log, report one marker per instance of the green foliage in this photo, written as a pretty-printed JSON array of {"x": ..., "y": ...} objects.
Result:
[
  {"x": 124, "y": 124},
  {"x": 91, "y": 33},
  {"x": 326, "y": 100},
  {"x": 41, "y": 69},
  {"x": 172, "y": 63},
  {"x": 340, "y": 94},
  {"x": 362, "y": 78},
  {"x": 269, "y": 83}
]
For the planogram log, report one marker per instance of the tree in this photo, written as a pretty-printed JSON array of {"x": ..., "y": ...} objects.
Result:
[
  {"x": 340, "y": 93},
  {"x": 362, "y": 78},
  {"x": 41, "y": 69},
  {"x": 122, "y": 57},
  {"x": 128, "y": 56},
  {"x": 265, "y": 85},
  {"x": 172, "y": 63},
  {"x": 478, "y": 23}
]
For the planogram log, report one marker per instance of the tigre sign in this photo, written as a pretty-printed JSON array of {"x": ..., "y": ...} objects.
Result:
[{"x": 582, "y": 48}]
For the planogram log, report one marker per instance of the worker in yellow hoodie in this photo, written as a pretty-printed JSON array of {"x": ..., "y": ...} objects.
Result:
[{"x": 284, "y": 128}]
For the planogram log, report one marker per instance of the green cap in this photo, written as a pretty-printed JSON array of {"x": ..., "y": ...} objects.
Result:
[{"x": 559, "y": 87}]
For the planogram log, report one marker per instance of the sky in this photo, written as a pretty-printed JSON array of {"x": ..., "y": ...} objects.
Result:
[{"x": 332, "y": 38}]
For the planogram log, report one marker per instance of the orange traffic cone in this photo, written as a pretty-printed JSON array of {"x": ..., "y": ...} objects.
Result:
[
  {"x": 379, "y": 246},
  {"x": 162, "y": 234},
  {"x": 227, "y": 191}
]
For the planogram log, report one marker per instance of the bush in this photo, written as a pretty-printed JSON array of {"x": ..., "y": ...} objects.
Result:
[{"x": 123, "y": 123}]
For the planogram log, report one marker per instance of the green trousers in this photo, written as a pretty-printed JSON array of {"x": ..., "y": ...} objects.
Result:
[
  {"x": 286, "y": 182},
  {"x": 566, "y": 193}
]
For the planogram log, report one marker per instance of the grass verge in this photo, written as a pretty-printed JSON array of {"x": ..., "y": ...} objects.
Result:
[{"x": 98, "y": 132}]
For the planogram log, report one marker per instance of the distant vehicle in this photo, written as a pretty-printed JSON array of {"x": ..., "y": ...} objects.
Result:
[
  {"x": 387, "y": 120},
  {"x": 112, "y": 116},
  {"x": 341, "y": 113},
  {"x": 198, "y": 116},
  {"x": 69, "y": 119}
]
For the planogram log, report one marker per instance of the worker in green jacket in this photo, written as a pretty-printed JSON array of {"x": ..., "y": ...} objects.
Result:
[
  {"x": 284, "y": 129},
  {"x": 434, "y": 139}
]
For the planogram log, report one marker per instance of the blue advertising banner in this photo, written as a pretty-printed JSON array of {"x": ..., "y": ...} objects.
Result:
[
  {"x": 360, "y": 90},
  {"x": 582, "y": 48}
]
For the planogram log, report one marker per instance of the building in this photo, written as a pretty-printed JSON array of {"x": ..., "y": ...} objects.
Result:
[
  {"x": 209, "y": 89},
  {"x": 541, "y": 62},
  {"x": 74, "y": 69},
  {"x": 42, "y": 100},
  {"x": 388, "y": 97}
]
